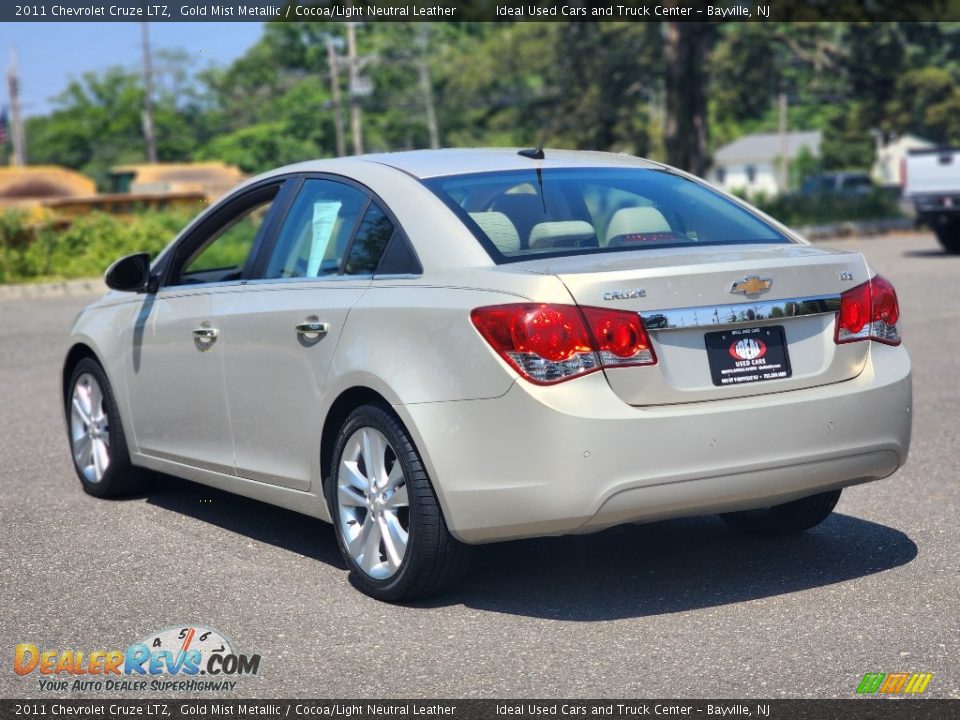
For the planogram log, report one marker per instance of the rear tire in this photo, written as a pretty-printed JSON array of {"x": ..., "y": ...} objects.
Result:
[
  {"x": 388, "y": 523},
  {"x": 98, "y": 446},
  {"x": 787, "y": 519},
  {"x": 949, "y": 236}
]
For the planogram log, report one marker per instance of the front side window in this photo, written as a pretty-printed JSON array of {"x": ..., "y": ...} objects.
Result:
[
  {"x": 521, "y": 214},
  {"x": 224, "y": 250}
]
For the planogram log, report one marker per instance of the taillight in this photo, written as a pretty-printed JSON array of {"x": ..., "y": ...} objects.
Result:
[
  {"x": 551, "y": 343},
  {"x": 869, "y": 312},
  {"x": 620, "y": 336}
]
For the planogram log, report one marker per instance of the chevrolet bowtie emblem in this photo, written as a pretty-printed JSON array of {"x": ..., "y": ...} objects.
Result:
[{"x": 752, "y": 285}]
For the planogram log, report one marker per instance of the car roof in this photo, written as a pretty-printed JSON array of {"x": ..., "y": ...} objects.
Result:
[
  {"x": 437, "y": 163},
  {"x": 424, "y": 164}
]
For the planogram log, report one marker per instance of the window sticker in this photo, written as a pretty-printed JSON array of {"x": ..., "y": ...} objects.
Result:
[{"x": 325, "y": 214}]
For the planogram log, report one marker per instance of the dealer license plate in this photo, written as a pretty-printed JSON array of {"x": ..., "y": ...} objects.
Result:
[{"x": 748, "y": 355}]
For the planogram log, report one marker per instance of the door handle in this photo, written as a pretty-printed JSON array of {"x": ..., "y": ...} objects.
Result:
[
  {"x": 205, "y": 337},
  {"x": 313, "y": 328}
]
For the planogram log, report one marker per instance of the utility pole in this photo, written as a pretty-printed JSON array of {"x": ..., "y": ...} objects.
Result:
[
  {"x": 148, "y": 133},
  {"x": 356, "y": 123},
  {"x": 784, "y": 143},
  {"x": 16, "y": 122},
  {"x": 333, "y": 61},
  {"x": 426, "y": 86}
]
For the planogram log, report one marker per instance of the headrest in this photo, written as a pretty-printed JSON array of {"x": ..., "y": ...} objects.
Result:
[
  {"x": 499, "y": 229},
  {"x": 546, "y": 234},
  {"x": 637, "y": 221}
]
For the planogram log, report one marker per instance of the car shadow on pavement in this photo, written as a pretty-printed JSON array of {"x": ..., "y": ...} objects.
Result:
[
  {"x": 670, "y": 566},
  {"x": 932, "y": 252},
  {"x": 627, "y": 571},
  {"x": 259, "y": 521}
]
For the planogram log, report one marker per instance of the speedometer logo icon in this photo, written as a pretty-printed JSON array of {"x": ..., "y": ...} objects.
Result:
[{"x": 748, "y": 349}]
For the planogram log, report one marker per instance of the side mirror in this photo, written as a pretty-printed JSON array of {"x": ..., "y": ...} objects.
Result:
[{"x": 130, "y": 274}]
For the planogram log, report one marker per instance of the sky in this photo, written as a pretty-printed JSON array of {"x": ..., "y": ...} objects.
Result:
[{"x": 53, "y": 53}]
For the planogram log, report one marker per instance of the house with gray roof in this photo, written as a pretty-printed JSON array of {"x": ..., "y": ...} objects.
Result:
[{"x": 752, "y": 163}]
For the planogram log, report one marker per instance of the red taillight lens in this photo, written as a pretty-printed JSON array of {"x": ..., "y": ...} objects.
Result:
[
  {"x": 620, "y": 336},
  {"x": 869, "y": 312},
  {"x": 855, "y": 309},
  {"x": 554, "y": 333},
  {"x": 551, "y": 343}
]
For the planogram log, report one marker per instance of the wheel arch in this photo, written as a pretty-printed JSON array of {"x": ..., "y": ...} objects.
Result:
[
  {"x": 77, "y": 352},
  {"x": 347, "y": 401}
]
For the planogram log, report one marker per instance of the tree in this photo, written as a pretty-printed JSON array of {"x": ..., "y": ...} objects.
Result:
[
  {"x": 97, "y": 124},
  {"x": 685, "y": 130},
  {"x": 926, "y": 102},
  {"x": 847, "y": 144}
]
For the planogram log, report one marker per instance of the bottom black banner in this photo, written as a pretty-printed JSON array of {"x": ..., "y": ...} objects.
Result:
[{"x": 861, "y": 709}]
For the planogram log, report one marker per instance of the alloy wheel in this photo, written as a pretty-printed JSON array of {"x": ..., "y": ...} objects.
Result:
[
  {"x": 89, "y": 429},
  {"x": 373, "y": 505}
]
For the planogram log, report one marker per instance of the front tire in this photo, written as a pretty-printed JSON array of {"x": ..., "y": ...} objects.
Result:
[
  {"x": 98, "y": 445},
  {"x": 388, "y": 522},
  {"x": 787, "y": 519},
  {"x": 949, "y": 236}
]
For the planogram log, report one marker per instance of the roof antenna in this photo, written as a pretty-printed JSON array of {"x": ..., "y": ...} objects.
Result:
[{"x": 532, "y": 153}]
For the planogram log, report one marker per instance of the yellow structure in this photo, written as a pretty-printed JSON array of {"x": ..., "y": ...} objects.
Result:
[
  {"x": 50, "y": 191},
  {"x": 27, "y": 187},
  {"x": 124, "y": 203},
  {"x": 212, "y": 179}
]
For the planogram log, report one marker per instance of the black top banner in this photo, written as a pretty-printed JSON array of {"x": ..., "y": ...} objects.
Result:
[{"x": 478, "y": 10}]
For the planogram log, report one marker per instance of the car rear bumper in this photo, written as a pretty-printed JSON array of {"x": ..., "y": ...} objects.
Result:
[{"x": 575, "y": 458}]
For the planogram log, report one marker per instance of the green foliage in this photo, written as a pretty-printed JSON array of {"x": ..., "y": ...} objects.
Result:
[
  {"x": 927, "y": 102},
  {"x": 798, "y": 210},
  {"x": 804, "y": 165},
  {"x": 847, "y": 144},
  {"x": 260, "y": 147},
  {"x": 44, "y": 251}
]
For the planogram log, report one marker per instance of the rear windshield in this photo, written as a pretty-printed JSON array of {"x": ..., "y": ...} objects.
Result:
[{"x": 521, "y": 214}]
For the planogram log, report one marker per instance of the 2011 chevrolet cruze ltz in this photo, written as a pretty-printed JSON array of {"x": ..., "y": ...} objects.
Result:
[{"x": 435, "y": 349}]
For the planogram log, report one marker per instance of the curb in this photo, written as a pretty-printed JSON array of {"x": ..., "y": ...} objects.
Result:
[{"x": 65, "y": 288}]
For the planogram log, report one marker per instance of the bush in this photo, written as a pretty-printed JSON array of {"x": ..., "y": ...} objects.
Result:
[
  {"x": 33, "y": 249},
  {"x": 826, "y": 208}
]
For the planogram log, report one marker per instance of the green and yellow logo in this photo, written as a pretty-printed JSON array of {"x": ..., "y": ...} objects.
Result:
[{"x": 894, "y": 683}]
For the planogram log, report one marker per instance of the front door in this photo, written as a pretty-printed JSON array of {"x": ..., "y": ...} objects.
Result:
[{"x": 176, "y": 367}]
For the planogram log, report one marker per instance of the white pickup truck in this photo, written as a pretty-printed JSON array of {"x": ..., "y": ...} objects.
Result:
[{"x": 931, "y": 179}]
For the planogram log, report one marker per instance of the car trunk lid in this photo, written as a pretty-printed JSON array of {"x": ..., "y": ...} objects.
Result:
[{"x": 767, "y": 313}]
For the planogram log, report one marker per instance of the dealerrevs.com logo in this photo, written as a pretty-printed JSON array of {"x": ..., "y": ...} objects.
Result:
[{"x": 187, "y": 658}]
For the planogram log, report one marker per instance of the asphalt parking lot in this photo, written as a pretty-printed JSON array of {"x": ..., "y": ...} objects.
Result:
[{"x": 682, "y": 608}]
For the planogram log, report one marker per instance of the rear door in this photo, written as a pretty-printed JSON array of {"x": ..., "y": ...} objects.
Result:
[{"x": 285, "y": 327}]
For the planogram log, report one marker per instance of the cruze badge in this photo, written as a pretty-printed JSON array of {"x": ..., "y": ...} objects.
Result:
[
  {"x": 752, "y": 285},
  {"x": 624, "y": 294}
]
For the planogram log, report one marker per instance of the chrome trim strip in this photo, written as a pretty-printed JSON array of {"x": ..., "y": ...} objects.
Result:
[{"x": 709, "y": 316}]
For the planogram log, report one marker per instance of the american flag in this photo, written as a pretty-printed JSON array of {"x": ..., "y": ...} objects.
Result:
[{"x": 4, "y": 135}]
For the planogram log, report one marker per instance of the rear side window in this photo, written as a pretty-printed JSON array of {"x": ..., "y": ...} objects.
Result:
[
  {"x": 522, "y": 214},
  {"x": 372, "y": 237}
]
